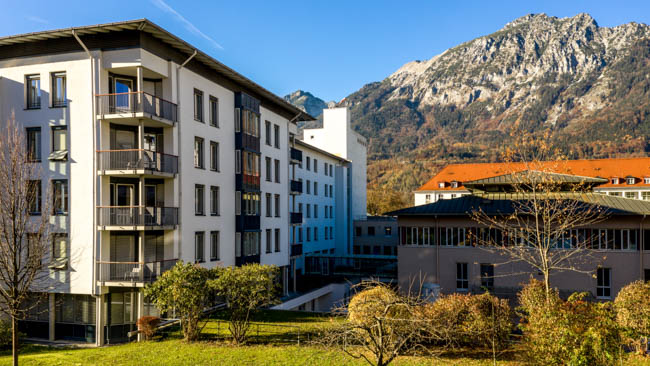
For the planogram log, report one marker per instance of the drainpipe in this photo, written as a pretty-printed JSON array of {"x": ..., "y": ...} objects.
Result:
[
  {"x": 641, "y": 243},
  {"x": 92, "y": 104},
  {"x": 437, "y": 236},
  {"x": 180, "y": 161}
]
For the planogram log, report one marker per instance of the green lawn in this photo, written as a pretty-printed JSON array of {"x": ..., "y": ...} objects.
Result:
[{"x": 274, "y": 346}]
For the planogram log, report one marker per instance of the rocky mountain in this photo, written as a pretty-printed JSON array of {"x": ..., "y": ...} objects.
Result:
[
  {"x": 307, "y": 102},
  {"x": 588, "y": 85}
]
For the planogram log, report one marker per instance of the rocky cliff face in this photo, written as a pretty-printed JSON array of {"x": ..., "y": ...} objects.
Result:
[
  {"x": 586, "y": 83},
  {"x": 307, "y": 102}
]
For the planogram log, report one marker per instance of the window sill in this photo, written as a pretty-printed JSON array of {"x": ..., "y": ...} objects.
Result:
[
  {"x": 58, "y": 106},
  {"x": 34, "y": 214},
  {"x": 31, "y": 108},
  {"x": 199, "y": 214},
  {"x": 214, "y": 259},
  {"x": 201, "y": 261},
  {"x": 198, "y": 120},
  {"x": 199, "y": 167}
]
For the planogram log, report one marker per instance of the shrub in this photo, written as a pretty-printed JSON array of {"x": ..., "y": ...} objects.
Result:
[
  {"x": 463, "y": 320},
  {"x": 147, "y": 326},
  {"x": 572, "y": 332},
  {"x": 5, "y": 334},
  {"x": 632, "y": 306}
]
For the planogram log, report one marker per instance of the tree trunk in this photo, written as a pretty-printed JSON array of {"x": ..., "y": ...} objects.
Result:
[
  {"x": 14, "y": 340},
  {"x": 547, "y": 285}
]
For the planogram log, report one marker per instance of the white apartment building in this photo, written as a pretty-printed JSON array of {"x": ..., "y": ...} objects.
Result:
[{"x": 155, "y": 153}]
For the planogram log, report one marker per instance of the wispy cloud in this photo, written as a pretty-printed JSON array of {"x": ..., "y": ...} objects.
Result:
[
  {"x": 35, "y": 19},
  {"x": 162, "y": 5}
]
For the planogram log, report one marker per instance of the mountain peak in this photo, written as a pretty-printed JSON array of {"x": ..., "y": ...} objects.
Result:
[{"x": 308, "y": 102}]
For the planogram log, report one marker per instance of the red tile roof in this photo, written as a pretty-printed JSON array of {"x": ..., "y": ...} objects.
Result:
[{"x": 603, "y": 168}]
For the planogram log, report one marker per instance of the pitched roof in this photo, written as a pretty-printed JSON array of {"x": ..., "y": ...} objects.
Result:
[
  {"x": 145, "y": 25},
  {"x": 504, "y": 204},
  {"x": 595, "y": 168}
]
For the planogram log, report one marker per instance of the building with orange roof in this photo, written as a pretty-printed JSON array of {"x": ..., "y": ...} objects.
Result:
[{"x": 626, "y": 177}]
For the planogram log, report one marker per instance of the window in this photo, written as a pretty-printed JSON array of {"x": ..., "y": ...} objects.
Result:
[
  {"x": 604, "y": 283},
  {"x": 325, "y": 168},
  {"x": 199, "y": 244},
  {"x": 237, "y": 161},
  {"x": 462, "y": 279},
  {"x": 34, "y": 194},
  {"x": 357, "y": 231},
  {"x": 646, "y": 274},
  {"x": 214, "y": 156},
  {"x": 441, "y": 185},
  {"x": 614, "y": 180},
  {"x": 268, "y": 240},
  {"x": 34, "y": 144},
  {"x": 315, "y": 188},
  {"x": 388, "y": 231},
  {"x": 371, "y": 231},
  {"x": 268, "y": 169},
  {"x": 251, "y": 164},
  {"x": 267, "y": 130},
  {"x": 315, "y": 234},
  {"x": 33, "y": 85},
  {"x": 487, "y": 276},
  {"x": 59, "y": 96},
  {"x": 60, "y": 196},
  {"x": 315, "y": 165},
  {"x": 308, "y": 234},
  {"x": 632, "y": 195},
  {"x": 199, "y": 192},
  {"x": 646, "y": 180},
  {"x": 645, "y": 196},
  {"x": 331, "y": 213},
  {"x": 454, "y": 184},
  {"x": 300, "y": 207},
  {"x": 268, "y": 205},
  {"x": 315, "y": 211},
  {"x": 214, "y": 245},
  {"x": 277, "y": 205},
  {"x": 331, "y": 173},
  {"x": 277, "y": 171},
  {"x": 308, "y": 167},
  {"x": 251, "y": 123},
  {"x": 198, "y": 105},
  {"x": 308, "y": 185},
  {"x": 59, "y": 143},
  {"x": 427, "y": 198},
  {"x": 251, "y": 204},
  {"x": 198, "y": 153},
  {"x": 618, "y": 194},
  {"x": 630, "y": 180},
  {"x": 214, "y": 111},
  {"x": 276, "y": 135},
  {"x": 214, "y": 201},
  {"x": 300, "y": 235},
  {"x": 308, "y": 210},
  {"x": 331, "y": 191},
  {"x": 237, "y": 203},
  {"x": 277, "y": 240},
  {"x": 59, "y": 245}
]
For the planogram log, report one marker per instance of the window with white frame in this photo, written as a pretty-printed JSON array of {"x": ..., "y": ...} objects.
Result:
[
  {"x": 462, "y": 278},
  {"x": 199, "y": 246},
  {"x": 645, "y": 196},
  {"x": 646, "y": 180},
  {"x": 630, "y": 180},
  {"x": 59, "y": 92},
  {"x": 632, "y": 195},
  {"x": 214, "y": 245},
  {"x": 33, "y": 90}
]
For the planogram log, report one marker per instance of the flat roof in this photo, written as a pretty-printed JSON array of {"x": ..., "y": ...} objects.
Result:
[
  {"x": 145, "y": 25},
  {"x": 321, "y": 151}
]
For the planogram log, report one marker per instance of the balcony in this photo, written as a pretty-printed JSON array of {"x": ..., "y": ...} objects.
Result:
[
  {"x": 130, "y": 107},
  {"x": 296, "y": 187},
  {"x": 296, "y": 156},
  {"x": 296, "y": 218},
  {"x": 296, "y": 250},
  {"x": 131, "y": 274},
  {"x": 136, "y": 218},
  {"x": 136, "y": 162}
]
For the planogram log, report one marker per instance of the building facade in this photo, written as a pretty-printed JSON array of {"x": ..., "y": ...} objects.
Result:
[
  {"x": 627, "y": 177},
  {"x": 154, "y": 153},
  {"x": 441, "y": 244},
  {"x": 375, "y": 236}
]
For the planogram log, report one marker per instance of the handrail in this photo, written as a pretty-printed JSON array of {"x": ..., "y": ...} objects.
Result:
[
  {"x": 135, "y": 92},
  {"x": 157, "y": 152},
  {"x": 135, "y": 207}
]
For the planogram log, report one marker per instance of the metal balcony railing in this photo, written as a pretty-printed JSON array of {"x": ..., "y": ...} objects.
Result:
[
  {"x": 296, "y": 218},
  {"x": 137, "y": 159},
  {"x": 296, "y": 187},
  {"x": 136, "y": 102},
  {"x": 137, "y": 216},
  {"x": 132, "y": 271},
  {"x": 296, "y": 155}
]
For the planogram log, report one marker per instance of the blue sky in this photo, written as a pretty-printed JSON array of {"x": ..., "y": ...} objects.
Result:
[{"x": 330, "y": 48}]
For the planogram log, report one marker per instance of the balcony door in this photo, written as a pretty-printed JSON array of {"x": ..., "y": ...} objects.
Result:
[
  {"x": 122, "y": 87},
  {"x": 122, "y": 200}
]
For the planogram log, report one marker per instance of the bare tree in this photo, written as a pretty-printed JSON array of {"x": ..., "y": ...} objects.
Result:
[
  {"x": 24, "y": 239},
  {"x": 545, "y": 225},
  {"x": 379, "y": 324}
]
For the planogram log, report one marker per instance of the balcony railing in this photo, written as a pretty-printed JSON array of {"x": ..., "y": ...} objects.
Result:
[
  {"x": 137, "y": 216},
  {"x": 137, "y": 102},
  {"x": 296, "y": 155},
  {"x": 132, "y": 271},
  {"x": 296, "y": 218},
  {"x": 296, "y": 187},
  {"x": 296, "y": 250},
  {"x": 135, "y": 159}
]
